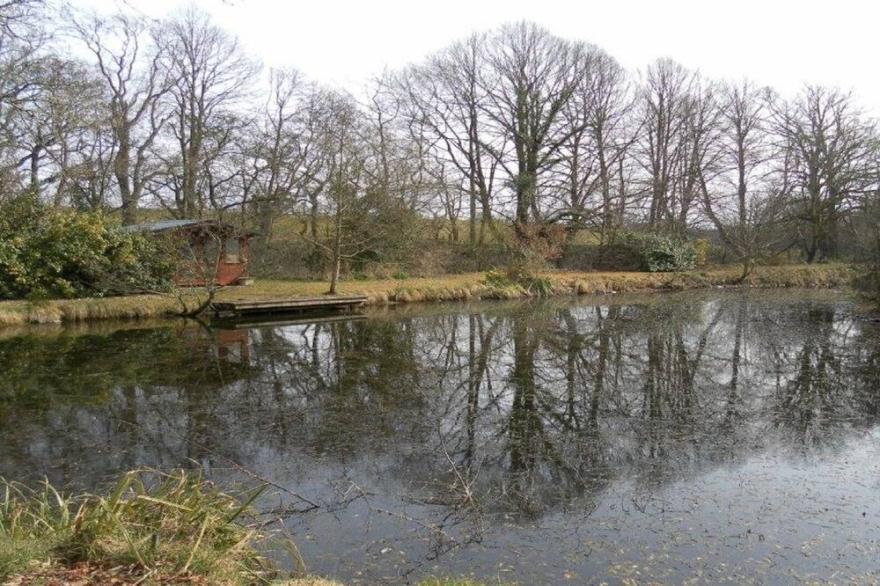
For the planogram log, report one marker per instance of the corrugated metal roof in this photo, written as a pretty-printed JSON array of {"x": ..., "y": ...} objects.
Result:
[
  {"x": 161, "y": 226},
  {"x": 166, "y": 225}
]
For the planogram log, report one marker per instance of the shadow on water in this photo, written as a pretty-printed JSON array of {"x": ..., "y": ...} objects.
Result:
[{"x": 716, "y": 435}]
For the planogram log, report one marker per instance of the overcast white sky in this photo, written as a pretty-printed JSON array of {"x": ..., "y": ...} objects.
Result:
[{"x": 782, "y": 43}]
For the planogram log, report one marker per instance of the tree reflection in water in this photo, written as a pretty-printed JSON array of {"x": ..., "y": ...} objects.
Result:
[{"x": 432, "y": 428}]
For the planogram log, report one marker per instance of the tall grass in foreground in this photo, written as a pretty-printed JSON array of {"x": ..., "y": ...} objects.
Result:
[{"x": 150, "y": 527}]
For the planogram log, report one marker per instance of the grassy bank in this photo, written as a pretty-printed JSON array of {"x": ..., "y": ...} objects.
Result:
[
  {"x": 78, "y": 310},
  {"x": 445, "y": 288}
]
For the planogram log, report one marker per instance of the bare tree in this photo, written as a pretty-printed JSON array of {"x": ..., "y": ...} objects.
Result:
[
  {"x": 279, "y": 150},
  {"x": 19, "y": 19},
  {"x": 211, "y": 75},
  {"x": 342, "y": 195},
  {"x": 864, "y": 226},
  {"x": 601, "y": 135},
  {"x": 88, "y": 183},
  {"x": 698, "y": 154},
  {"x": 530, "y": 78},
  {"x": 135, "y": 81},
  {"x": 21, "y": 40},
  {"x": 515, "y": 126},
  {"x": 51, "y": 129},
  {"x": 444, "y": 97},
  {"x": 747, "y": 201},
  {"x": 664, "y": 102},
  {"x": 829, "y": 148}
]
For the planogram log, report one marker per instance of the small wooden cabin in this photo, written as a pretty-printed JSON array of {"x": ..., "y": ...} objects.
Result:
[{"x": 208, "y": 249}]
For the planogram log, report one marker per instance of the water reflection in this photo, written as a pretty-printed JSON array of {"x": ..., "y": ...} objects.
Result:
[{"x": 453, "y": 436}]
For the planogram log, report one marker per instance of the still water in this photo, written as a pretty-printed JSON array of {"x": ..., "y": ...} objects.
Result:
[{"x": 715, "y": 436}]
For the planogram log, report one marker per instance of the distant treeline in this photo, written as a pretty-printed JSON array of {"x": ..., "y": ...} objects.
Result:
[{"x": 513, "y": 135}]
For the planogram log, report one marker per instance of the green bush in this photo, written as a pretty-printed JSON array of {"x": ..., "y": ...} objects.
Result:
[
  {"x": 46, "y": 252},
  {"x": 660, "y": 254}
]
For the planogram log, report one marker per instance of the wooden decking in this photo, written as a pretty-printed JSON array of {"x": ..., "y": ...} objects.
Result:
[
  {"x": 269, "y": 320},
  {"x": 301, "y": 305}
]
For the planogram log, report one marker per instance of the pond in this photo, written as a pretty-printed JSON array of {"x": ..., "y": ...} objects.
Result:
[{"x": 717, "y": 436}]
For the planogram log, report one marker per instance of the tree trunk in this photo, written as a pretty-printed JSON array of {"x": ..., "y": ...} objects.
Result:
[
  {"x": 121, "y": 169},
  {"x": 337, "y": 254},
  {"x": 747, "y": 268},
  {"x": 472, "y": 231},
  {"x": 811, "y": 251},
  {"x": 334, "y": 277},
  {"x": 35, "y": 167}
]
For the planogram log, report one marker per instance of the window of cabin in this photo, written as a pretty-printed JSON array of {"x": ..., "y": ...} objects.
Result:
[
  {"x": 210, "y": 251},
  {"x": 233, "y": 250}
]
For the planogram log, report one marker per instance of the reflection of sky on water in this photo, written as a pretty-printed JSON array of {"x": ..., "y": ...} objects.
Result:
[{"x": 713, "y": 435}]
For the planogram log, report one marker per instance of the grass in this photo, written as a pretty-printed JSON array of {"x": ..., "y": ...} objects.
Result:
[
  {"x": 459, "y": 287},
  {"x": 151, "y": 526},
  {"x": 474, "y": 286},
  {"x": 75, "y": 310}
]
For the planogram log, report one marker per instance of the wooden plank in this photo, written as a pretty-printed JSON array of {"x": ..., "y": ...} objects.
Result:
[
  {"x": 295, "y": 302},
  {"x": 239, "y": 306},
  {"x": 257, "y": 322}
]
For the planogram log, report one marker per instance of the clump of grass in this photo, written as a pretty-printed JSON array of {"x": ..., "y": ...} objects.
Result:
[
  {"x": 517, "y": 277},
  {"x": 151, "y": 526}
]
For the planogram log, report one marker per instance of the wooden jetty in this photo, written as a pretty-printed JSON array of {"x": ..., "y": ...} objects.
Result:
[
  {"x": 301, "y": 305},
  {"x": 275, "y": 321}
]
